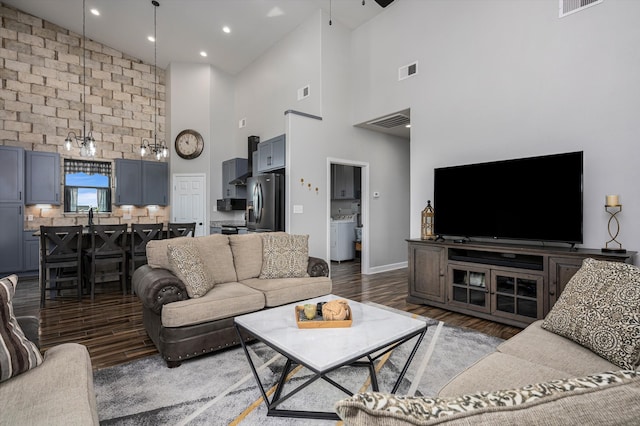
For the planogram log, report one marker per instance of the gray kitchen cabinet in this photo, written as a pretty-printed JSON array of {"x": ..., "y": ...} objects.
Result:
[
  {"x": 343, "y": 182},
  {"x": 11, "y": 229},
  {"x": 155, "y": 183},
  {"x": 128, "y": 182},
  {"x": 232, "y": 169},
  {"x": 141, "y": 183},
  {"x": 271, "y": 154},
  {"x": 31, "y": 252},
  {"x": 11, "y": 175},
  {"x": 42, "y": 178},
  {"x": 11, "y": 208}
]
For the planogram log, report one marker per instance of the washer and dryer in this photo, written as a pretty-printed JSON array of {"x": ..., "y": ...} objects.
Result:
[{"x": 343, "y": 236}]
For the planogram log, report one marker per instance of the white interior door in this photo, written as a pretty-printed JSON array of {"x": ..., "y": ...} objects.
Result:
[{"x": 189, "y": 200}]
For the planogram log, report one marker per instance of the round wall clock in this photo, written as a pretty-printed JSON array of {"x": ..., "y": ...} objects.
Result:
[{"x": 189, "y": 144}]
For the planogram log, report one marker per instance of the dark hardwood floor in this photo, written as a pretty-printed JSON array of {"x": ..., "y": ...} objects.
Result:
[{"x": 111, "y": 325}]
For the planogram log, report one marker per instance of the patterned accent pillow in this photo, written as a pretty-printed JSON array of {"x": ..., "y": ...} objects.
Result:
[
  {"x": 600, "y": 310},
  {"x": 284, "y": 256},
  {"x": 378, "y": 408},
  {"x": 186, "y": 263},
  {"x": 17, "y": 353}
]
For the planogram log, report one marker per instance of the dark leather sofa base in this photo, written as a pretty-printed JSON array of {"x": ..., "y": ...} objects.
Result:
[{"x": 177, "y": 344}]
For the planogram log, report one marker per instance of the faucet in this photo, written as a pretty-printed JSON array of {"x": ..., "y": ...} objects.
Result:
[{"x": 90, "y": 216}]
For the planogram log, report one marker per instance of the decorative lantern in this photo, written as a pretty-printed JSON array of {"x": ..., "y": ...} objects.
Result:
[{"x": 427, "y": 222}]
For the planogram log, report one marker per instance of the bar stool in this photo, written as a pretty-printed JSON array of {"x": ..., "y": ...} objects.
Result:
[
  {"x": 141, "y": 234},
  {"x": 108, "y": 248},
  {"x": 60, "y": 250},
  {"x": 181, "y": 230}
]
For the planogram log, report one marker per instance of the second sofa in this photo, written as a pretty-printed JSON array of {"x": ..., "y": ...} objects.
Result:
[{"x": 246, "y": 272}]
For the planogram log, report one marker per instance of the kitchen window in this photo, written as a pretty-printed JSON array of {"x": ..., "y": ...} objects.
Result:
[{"x": 87, "y": 184}]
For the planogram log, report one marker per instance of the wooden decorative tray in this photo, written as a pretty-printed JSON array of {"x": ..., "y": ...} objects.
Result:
[{"x": 319, "y": 322}]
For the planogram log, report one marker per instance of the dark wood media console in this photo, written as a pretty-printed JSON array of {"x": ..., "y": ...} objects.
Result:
[{"x": 507, "y": 283}]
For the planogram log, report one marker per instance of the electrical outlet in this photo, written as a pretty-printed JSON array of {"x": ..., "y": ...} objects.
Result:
[{"x": 30, "y": 218}]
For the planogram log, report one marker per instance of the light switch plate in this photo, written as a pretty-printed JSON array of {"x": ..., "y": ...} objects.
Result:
[{"x": 298, "y": 208}]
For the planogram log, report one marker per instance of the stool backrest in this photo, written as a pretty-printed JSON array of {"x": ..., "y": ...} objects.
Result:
[
  {"x": 142, "y": 233},
  {"x": 60, "y": 243},
  {"x": 181, "y": 230},
  {"x": 108, "y": 240}
]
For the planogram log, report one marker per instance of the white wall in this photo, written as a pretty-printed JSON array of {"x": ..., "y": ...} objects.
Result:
[
  {"x": 202, "y": 98},
  {"x": 313, "y": 144},
  {"x": 268, "y": 87},
  {"x": 318, "y": 54},
  {"x": 223, "y": 137},
  {"x": 188, "y": 108},
  {"x": 505, "y": 79}
]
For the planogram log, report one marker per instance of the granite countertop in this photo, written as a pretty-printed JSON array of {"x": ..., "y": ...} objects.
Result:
[{"x": 219, "y": 223}]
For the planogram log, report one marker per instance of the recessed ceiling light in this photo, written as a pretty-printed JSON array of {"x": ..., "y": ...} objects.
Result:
[
  {"x": 151, "y": 39},
  {"x": 95, "y": 12},
  {"x": 226, "y": 29},
  {"x": 203, "y": 54}
]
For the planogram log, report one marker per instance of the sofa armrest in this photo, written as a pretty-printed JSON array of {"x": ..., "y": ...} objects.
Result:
[
  {"x": 30, "y": 325},
  {"x": 157, "y": 286},
  {"x": 317, "y": 267}
]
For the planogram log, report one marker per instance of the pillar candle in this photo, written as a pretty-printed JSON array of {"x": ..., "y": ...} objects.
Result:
[{"x": 612, "y": 200}]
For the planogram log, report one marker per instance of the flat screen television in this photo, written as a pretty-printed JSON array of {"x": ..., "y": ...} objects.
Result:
[{"x": 534, "y": 198}]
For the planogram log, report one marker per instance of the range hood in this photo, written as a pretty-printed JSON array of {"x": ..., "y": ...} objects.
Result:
[
  {"x": 252, "y": 146},
  {"x": 241, "y": 180}
]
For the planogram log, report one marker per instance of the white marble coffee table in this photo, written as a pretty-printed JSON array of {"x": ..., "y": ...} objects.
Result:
[{"x": 373, "y": 331}]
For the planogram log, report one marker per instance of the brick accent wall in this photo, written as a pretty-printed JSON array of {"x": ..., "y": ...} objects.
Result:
[{"x": 41, "y": 87}]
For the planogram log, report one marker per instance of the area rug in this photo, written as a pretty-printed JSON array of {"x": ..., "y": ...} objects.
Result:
[{"x": 219, "y": 389}]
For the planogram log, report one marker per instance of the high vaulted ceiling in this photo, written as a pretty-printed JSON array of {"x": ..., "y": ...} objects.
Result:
[{"x": 187, "y": 27}]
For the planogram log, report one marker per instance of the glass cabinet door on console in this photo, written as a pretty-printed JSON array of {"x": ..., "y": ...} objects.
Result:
[
  {"x": 468, "y": 287},
  {"x": 517, "y": 296}
]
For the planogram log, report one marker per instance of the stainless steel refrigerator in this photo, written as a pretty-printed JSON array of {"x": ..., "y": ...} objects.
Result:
[{"x": 265, "y": 203}]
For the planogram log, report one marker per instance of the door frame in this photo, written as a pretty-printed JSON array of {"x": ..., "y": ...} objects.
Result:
[
  {"x": 205, "y": 204},
  {"x": 364, "y": 208}
]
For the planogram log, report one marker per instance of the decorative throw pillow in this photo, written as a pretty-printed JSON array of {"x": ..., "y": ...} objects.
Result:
[
  {"x": 600, "y": 310},
  {"x": 284, "y": 256},
  {"x": 186, "y": 263},
  {"x": 17, "y": 353},
  {"x": 378, "y": 408}
]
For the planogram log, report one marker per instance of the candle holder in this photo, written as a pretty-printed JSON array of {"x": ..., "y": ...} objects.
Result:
[{"x": 613, "y": 210}]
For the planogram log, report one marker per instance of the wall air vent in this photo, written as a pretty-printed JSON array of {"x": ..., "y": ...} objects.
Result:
[
  {"x": 303, "y": 92},
  {"x": 408, "y": 71},
  {"x": 391, "y": 121},
  {"x": 567, "y": 7}
]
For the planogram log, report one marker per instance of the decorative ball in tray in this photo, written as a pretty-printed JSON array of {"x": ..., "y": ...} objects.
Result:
[{"x": 331, "y": 314}]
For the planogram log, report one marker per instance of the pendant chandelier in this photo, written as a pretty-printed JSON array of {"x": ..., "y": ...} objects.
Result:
[
  {"x": 85, "y": 140},
  {"x": 159, "y": 149}
]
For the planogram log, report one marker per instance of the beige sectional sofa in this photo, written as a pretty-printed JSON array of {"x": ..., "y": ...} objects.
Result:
[
  {"x": 559, "y": 371},
  {"x": 57, "y": 392},
  {"x": 237, "y": 267}
]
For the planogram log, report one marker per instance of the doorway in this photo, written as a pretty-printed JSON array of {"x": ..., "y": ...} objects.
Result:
[
  {"x": 188, "y": 201},
  {"x": 348, "y": 212}
]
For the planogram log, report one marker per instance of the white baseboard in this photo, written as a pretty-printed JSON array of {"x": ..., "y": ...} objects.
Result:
[{"x": 386, "y": 268}]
